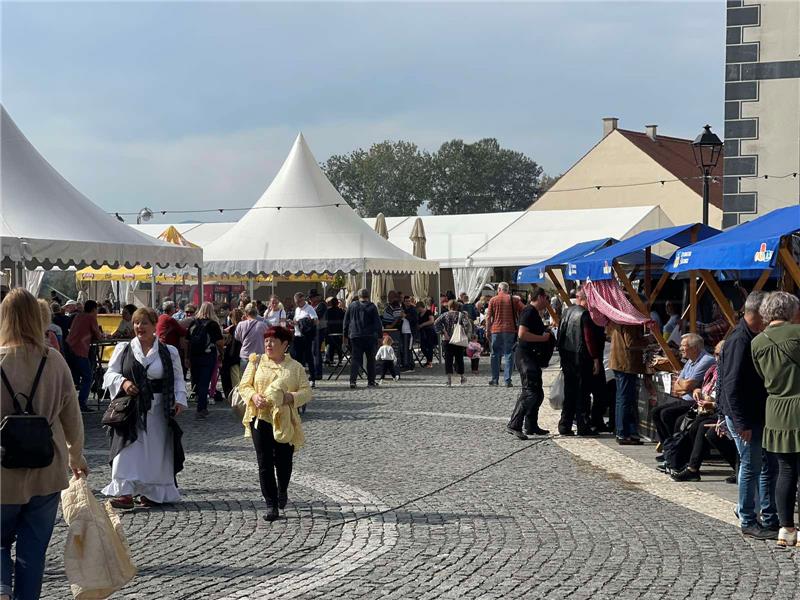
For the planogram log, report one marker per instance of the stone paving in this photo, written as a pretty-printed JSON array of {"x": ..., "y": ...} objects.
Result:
[{"x": 555, "y": 520}]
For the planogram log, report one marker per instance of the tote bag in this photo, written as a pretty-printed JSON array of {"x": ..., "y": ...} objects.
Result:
[{"x": 459, "y": 337}]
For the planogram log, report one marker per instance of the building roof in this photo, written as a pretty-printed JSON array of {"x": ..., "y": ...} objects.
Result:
[{"x": 676, "y": 156}]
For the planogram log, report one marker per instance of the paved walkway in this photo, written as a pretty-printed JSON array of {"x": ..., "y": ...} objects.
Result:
[{"x": 561, "y": 518}]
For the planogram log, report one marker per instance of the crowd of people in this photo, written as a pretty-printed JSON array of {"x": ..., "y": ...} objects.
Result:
[{"x": 737, "y": 391}]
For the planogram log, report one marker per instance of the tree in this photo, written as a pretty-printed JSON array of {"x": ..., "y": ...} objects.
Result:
[
  {"x": 481, "y": 177},
  {"x": 392, "y": 178}
]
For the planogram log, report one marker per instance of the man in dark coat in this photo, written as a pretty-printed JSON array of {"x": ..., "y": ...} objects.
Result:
[{"x": 362, "y": 327}]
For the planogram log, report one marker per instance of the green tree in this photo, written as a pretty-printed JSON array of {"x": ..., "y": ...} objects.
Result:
[
  {"x": 481, "y": 177},
  {"x": 391, "y": 177}
]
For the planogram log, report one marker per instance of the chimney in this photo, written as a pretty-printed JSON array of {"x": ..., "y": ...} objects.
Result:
[
  {"x": 609, "y": 125},
  {"x": 651, "y": 131}
]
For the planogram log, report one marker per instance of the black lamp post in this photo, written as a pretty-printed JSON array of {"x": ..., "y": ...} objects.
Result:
[{"x": 707, "y": 148}]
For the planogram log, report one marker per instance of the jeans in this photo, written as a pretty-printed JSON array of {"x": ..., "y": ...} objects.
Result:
[
  {"x": 526, "y": 410},
  {"x": 273, "y": 458},
  {"x": 85, "y": 372},
  {"x": 577, "y": 390},
  {"x": 502, "y": 346},
  {"x": 454, "y": 354},
  {"x": 757, "y": 469},
  {"x": 30, "y": 527},
  {"x": 786, "y": 488},
  {"x": 359, "y": 348},
  {"x": 202, "y": 368},
  {"x": 626, "y": 414}
]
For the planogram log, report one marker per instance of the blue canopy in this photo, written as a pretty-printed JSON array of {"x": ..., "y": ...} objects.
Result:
[
  {"x": 751, "y": 245},
  {"x": 598, "y": 265},
  {"x": 535, "y": 273}
]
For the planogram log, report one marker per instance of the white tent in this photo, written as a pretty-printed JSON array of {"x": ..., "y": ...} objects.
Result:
[
  {"x": 46, "y": 222},
  {"x": 519, "y": 238},
  {"x": 302, "y": 225}
]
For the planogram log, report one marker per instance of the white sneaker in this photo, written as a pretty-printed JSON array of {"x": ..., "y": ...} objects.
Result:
[
  {"x": 396, "y": 378},
  {"x": 787, "y": 538}
]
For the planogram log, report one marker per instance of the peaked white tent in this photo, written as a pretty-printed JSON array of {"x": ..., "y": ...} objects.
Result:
[
  {"x": 301, "y": 225},
  {"x": 45, "y": 222}
]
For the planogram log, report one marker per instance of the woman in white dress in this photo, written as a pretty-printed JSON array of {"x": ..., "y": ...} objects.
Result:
[{"x": 146, "y": 451}]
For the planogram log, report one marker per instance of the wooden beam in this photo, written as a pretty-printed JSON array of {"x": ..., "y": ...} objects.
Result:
[
  {"x": 559, "y": 288},
  {"x": 762, "y": 280},
  {"x": 700, "y": 291},
  {"x": 788, "y": 262},
  {"x": 722, "y": 301},
  {"x": 553, "y": 316},
  {"x": 676, "y": 364},
  {"x": 659, "y": 286}
]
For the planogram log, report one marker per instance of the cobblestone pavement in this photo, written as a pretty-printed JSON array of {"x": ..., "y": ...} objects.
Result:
[{"x": 541, "y": 524}]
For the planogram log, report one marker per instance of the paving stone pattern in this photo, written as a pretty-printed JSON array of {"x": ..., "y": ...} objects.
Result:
[{"x": 541, "y": 524}]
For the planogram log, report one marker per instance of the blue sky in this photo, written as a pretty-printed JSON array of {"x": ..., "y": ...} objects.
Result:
[{"x": 195, "y": 105}]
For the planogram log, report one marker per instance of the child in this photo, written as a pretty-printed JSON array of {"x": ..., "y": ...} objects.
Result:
[
  {"x": 386, "y": 357},
  {"x": 474, "y": 350}
]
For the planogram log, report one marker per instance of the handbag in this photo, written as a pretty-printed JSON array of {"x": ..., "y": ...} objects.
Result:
[
  {"x": 238, "y": 405},
  {"x": 118, "y": 410},
  {"x": 459, "y": 337},
  {"x": 27, "y": 439}
]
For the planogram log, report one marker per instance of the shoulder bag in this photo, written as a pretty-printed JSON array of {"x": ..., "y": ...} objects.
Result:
[
  {"x": 459, "y": 336},
  {"x": 238, "y": 405},
  {"x": 27, "y": 439},
  {"x": 120, "y": 408}
]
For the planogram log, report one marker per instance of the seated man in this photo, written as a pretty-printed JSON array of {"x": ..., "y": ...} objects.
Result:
[{"x": 690, "y": 378}]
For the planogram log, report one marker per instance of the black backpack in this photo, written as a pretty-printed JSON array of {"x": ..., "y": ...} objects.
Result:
[
  {"x": 26, "y": 439},
  {"x": 199, "y": 339}
]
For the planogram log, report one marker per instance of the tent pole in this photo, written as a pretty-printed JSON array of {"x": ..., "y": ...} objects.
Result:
[
  {"x": 762, "y": 280},
  {"x": 200, "y": 285},
  {"x": 559, "y": 289},
  {"x": 19, "y": 274},
  {"x": 251, "y": 287},
  {"x": 437, "y": 301},
  {"x": 661, "y": 282},
  {"x": 693, "y": 288},
  {"x": 700, "y": 291},
  {"x": 722, "y": 301},
  {"x": 637, "y": 302},
  {"x": 153, "y": 287}
]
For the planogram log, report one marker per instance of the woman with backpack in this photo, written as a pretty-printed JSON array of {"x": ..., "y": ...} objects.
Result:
[
  {"x": 34, "y": 466},
  {"x": 205, "y": 344}
]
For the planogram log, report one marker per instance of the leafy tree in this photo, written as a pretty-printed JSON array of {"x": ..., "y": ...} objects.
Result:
[
  {"x": 391, "y": 177},
  {"x": 481, "y": 177},
  {"x": 547, "y": 181}
]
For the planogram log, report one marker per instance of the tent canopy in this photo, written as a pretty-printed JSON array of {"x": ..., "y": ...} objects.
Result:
[
  {"x": 518, "y": 238},
  {"x": 535, "y": 273},
  {"x": 46, "y": 222},
  {"x": 302, "y": 225},
  {"x": 752, "y": 245},
  {"x": 598, "y": 265}
]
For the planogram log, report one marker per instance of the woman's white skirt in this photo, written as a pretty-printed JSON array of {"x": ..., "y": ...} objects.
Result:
[{"x": 146, "y": 467}]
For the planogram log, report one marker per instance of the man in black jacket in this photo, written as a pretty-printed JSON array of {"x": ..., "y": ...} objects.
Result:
[
  {"x": 362, "y": 327},
  {"x": 742, "y": 399}
]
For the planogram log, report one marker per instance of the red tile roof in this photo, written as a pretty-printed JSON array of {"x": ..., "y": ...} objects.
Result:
[{"x": 676, "y": 156}]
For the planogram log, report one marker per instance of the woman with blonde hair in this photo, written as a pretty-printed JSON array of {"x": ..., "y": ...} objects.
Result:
[
  {"x": 29, "y": 495},
  {"x": 274, "y": 386},
  {"x": 145, "y": 448},
  {"x": 50, "y": 337},
  {"x": 205, "y": 344}
]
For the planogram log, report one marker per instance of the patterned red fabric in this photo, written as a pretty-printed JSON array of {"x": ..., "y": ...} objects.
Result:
[{"x": 607, "y": 302}]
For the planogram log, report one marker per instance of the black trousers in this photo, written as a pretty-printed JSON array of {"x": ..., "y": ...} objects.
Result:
[
  {"x": 360, "y": 347},
  {"x": 724, "y": 445},
  {"x": 454, "y": 354},
  {"x": 225, "y": 375},
  {"x": 700, "y": 445},
  {"x": 427, "y": 341},
  {"x": 577, "y": 391},
  {"x": 475, "y": 363},
  {"x": 786, "y": 487},
  {"x": 273, "y": 458},
  {"x": 600, "y": 399},
  {"x": 333, "y": 345},
  {"x": 406, "y": 343},
  {"x": 302, "y": 351},
  {"x": 526, "y": 410},
  {"x": 387, "y": 366},
  {"x": 665, "y": 416}
]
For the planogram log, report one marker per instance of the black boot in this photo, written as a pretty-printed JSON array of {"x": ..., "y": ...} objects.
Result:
[{"x": 272, "y": 514}]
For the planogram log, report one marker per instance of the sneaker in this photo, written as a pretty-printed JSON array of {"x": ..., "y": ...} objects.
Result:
[
  {"x": 516, "y": 433},
  {"x": 352, "y": 386},
  {"x": 396, "y": 377},
  {"x": 509, "y": 384},
  {"x": 662, "y": 468},
  {"x": 759, "y": 533},
  {"x": 493, "y": 382},
  {"x": 629, "y": 441},
  {"x": 537, "y": 431},
  {"x": 787, "y": 538},
  {"x": 686, "y": 475}
]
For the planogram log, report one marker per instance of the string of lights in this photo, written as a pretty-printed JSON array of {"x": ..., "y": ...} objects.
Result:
[{"x": 714, "y": 179}]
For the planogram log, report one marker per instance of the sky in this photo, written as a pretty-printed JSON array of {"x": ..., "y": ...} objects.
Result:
[{"x": 190, "y": 105}]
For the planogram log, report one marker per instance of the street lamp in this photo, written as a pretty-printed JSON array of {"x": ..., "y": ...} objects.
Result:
[
  {"x": 144, "y": 215},
  {"x": 707, "y": 148}
]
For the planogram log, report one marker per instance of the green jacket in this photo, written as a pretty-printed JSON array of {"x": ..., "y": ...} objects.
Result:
[{"x": 776, "y": 355}]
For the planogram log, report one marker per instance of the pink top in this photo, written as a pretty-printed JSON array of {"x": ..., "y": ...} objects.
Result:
[{"x": 474, "y": 349}]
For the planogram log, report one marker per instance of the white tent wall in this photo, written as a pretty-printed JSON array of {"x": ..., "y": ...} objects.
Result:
[{"x": 33, "y": 281}]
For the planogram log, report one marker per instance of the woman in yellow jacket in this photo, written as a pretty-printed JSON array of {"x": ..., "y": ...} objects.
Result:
[{"x": 274, "y": 386}]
